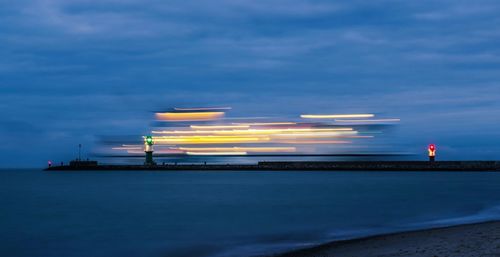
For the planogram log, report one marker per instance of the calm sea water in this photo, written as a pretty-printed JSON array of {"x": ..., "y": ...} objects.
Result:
[{"x": 138, "y": 213}]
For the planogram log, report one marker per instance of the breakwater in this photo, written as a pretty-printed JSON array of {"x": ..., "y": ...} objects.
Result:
[{"x": 305, "y": 166}]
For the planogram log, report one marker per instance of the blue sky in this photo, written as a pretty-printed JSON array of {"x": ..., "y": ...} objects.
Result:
[{"x": 71, "y": 70}]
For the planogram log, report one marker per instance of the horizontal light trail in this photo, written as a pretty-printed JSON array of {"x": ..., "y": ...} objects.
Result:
[
  {"x": 208, "y": 140},
  {"x": 135, "y": 152},
  {"x": 356, "y": 136},
  {"x": 238, "y": 149},
  {"x": 313, "y": 142},
  {"x": 127, "y": 148},
  {"x": 251, "y": 131},
  {"x": 266, "y": 123},
  {"x": 216, "y": 153},
  {"x": 161, "y": 151},
  {"x": 180, "y": 137},
  {"x": 202, "y": 108},
  {"x": 219, "y": 126},
  {"x": 335, "y": 116},
  {"x": 375, "y": 120},
  {"x": 189, "y": 116},
  {"x": 317, "y": 134},
  {"x": 287, "y": 130},
  {"x": 205, "y": 131}
]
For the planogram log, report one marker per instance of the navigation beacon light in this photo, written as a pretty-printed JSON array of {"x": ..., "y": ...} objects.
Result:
[
  {"x": 149, "y": 140},
  {"x": 148, "y": 149},
  {"x": 432, "y": 152}
]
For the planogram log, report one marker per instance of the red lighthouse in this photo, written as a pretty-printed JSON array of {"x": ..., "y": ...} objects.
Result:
[{"x": 432, "y": 152}]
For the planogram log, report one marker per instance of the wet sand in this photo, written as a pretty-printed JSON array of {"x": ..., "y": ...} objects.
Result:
[{"x": 481, "y": 239}]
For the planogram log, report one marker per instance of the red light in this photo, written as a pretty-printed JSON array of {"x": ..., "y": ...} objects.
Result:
[{"x": 432, "y": 147}]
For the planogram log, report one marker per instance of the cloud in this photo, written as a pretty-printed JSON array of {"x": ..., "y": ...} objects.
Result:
[{"x": 459, "y": 10}]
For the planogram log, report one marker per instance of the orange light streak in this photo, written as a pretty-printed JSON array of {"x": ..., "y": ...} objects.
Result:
[{"x": 189, "y": 116}]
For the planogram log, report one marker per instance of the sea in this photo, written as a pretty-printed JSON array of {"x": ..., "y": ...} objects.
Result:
[{"x": 226, "y": 213}]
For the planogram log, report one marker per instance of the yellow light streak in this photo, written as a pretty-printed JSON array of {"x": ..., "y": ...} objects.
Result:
[
  {"x": 266, "y": 123},
  {"x": 208, "y": 139},
  {"x": 336, "y": 116},
  {"x": 179, "y": 132},
  {"x": 238, "y": 149},
  {"x": 219, "y": 126},
  {"x": 376, "y": 120},
  {"x": 216, "y": 153},
  {"x": 188, "y": 116}
]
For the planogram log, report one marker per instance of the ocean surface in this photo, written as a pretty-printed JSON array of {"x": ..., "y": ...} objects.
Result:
[{"x": 225, "y": 213}]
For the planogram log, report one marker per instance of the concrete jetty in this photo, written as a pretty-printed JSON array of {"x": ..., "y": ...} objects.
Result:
[{"x": 305, "y": 166}]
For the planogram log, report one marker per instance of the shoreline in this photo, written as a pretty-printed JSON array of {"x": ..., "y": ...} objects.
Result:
[
  {"x": 301, "y": 166},
  {"x": 474, "y": 239}
]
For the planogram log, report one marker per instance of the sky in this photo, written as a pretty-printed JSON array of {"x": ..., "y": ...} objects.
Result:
[{"x": 73, "y": 70}]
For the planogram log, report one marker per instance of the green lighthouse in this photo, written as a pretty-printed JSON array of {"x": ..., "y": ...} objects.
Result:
[{"x": 148, "y": 149}]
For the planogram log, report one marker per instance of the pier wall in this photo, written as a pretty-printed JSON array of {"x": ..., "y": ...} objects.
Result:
[
  {"x": 385, "y": 165},
  {"x": 304, "y": 166}
]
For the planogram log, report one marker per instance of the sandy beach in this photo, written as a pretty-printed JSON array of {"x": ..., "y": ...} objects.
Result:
[{"x": 481, "y": 239}]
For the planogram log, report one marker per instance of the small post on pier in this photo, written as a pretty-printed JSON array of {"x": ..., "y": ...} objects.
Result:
[
  {"x": 148, "y": 149},
  {"x": 432, "y": 152}
]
